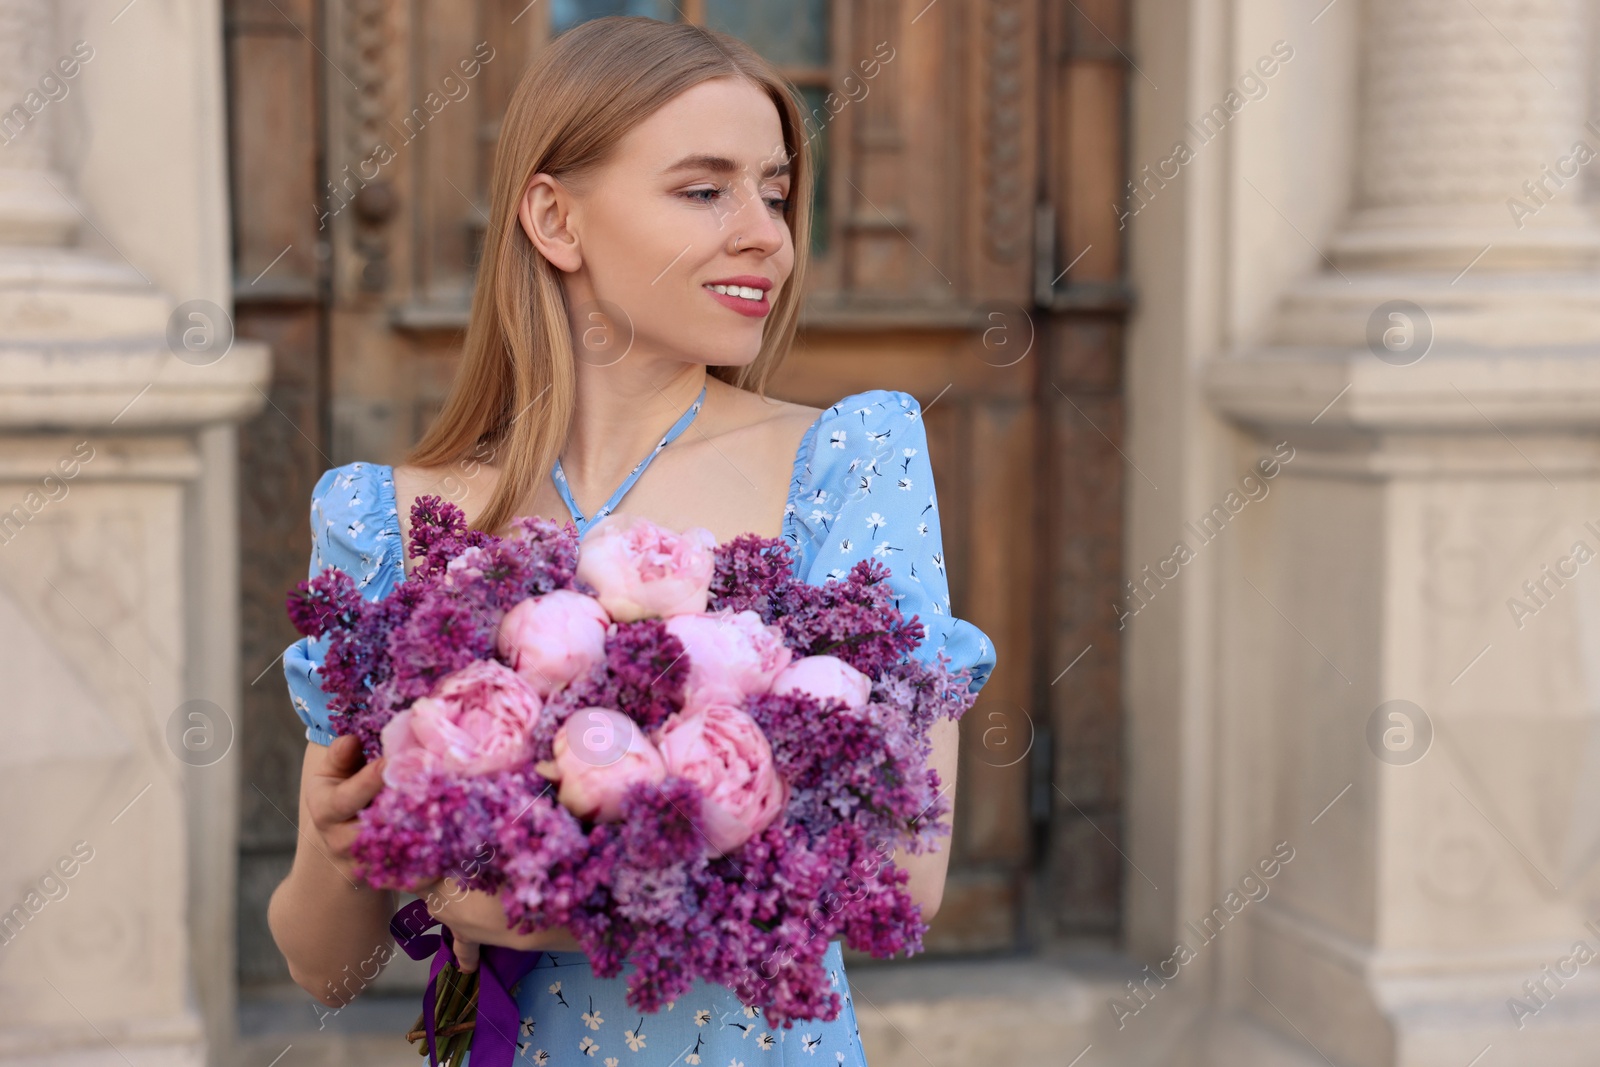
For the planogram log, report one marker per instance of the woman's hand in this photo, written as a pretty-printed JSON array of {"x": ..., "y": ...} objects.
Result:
[
  {"x": 477, "y": 918},
  {"x": 335, "y": 794},
  {"x": 332, "y": 929}
]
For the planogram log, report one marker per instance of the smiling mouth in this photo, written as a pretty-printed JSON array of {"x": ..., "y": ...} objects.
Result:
[{"x": 743, "y": 292}]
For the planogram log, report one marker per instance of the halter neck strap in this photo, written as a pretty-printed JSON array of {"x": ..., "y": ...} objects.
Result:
[{"x": 610, "y": 505}]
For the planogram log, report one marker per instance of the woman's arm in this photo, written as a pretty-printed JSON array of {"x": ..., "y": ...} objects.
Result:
[
  {"x": 928, "y": 869},
  {"x": 332, "y": 929}
]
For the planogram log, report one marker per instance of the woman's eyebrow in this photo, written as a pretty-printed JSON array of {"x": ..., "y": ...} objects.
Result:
[{"x": 722, "y": 165}]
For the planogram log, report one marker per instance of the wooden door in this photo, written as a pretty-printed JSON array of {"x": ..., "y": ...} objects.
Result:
[{"x": 980, "y": 156}]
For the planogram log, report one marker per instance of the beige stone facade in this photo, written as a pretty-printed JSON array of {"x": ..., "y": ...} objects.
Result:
[
  {"x": 1347, "y": 668},
  {"x": 118, "y": 567}
]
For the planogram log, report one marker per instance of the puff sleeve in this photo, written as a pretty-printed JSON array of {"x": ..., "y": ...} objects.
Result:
[
  {"x": 355, "y": 526},
  {"x": 863, "y": 486}
]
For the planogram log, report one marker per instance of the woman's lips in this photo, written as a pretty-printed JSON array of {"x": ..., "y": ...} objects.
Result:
[{"x": 755, "y": 309}]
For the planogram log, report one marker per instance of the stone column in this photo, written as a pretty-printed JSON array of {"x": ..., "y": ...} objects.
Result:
[
  {"x": 31, "y": 211},
  {"x": 1468, "y": 112},
  {"x": 1416, "y": 667},
  {"x": 117, "y": 611}
]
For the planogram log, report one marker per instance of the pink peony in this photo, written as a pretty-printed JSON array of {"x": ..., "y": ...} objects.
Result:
[
  {"x": 722, "y": 751},
  {"x": 476, "y": 721},
  {"x": 731, "y": 655},
  {"x": 599, "y": 755},
  {"x": 825, "y": 678},
  {"x": 549, "y": 640},
  {"x": 642, "y": 570}
]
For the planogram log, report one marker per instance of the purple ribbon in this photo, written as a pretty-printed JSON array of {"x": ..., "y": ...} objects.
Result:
[{"x": 494, "y": 1038}]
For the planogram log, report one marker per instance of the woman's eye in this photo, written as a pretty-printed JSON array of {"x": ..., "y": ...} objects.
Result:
[{"x": 707, "y": 196}]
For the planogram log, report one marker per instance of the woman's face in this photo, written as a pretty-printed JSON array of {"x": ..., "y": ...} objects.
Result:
[{"x": 643, "y": 240}]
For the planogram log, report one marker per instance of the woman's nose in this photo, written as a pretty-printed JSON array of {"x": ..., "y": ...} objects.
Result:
[{"x": 755, "y": 223}]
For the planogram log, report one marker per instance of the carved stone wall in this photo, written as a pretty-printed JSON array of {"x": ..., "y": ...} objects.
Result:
[
  {"x": 118, "y": 572},
  {"x": 1423, "y": 749},
  {"x": 1462, "y": 105},
  {"x": 1387, "y": 665}
]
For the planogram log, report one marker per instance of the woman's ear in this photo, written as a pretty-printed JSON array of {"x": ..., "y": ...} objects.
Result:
[{"x": 545, "y": 213}]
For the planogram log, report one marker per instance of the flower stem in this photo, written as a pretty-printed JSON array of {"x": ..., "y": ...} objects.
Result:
[{"x": 463, "y": 1014}]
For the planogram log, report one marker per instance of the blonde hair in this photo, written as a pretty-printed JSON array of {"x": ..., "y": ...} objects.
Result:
[{"x": 514, "y": 390}]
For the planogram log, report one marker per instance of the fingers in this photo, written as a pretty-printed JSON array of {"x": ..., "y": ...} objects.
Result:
[
  {"x": 346, "y": 799},
  {"x": 344, "y": 757},
  {"x": 466, "y": 955}
]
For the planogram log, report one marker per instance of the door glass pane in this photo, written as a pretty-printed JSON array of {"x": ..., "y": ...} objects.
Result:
[
  {"x": 565, "y": 14},
  {"x": 815, "y": 127},
  {"x": 790, "y": 33}
]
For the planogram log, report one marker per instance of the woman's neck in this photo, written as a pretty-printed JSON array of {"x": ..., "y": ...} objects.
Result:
[{"x": 621, "y": 413}]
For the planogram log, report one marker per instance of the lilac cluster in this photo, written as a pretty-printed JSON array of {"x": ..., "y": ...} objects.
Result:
[
  {"x": 382, "y": 655},
  {"x": 457, "y": 826},
  {"x": 642, "y": 890},
  {"x": 856, "y": 771},
  {"x": 854, "y": 620}
]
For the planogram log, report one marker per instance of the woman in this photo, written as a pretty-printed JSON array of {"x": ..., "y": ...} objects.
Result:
[{"x": 640, "y": 281}]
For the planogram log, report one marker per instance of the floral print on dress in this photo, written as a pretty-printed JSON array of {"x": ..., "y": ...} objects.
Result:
[
  {"x": 871, "y": 494},
  {"x": 355, "y": 526},
  {"x": 714, "y": 1028}
]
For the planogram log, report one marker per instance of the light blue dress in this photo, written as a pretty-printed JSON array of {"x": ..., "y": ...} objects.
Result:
[{"x": 861, "y": 487}]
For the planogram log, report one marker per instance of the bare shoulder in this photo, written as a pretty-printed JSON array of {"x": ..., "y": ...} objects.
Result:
[
  {"x": 749, "y": 416},
  {"x": 783, "y": 416}
]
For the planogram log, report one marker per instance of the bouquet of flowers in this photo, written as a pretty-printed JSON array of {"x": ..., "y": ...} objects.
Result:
[{"x": 674, "y": 748}]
